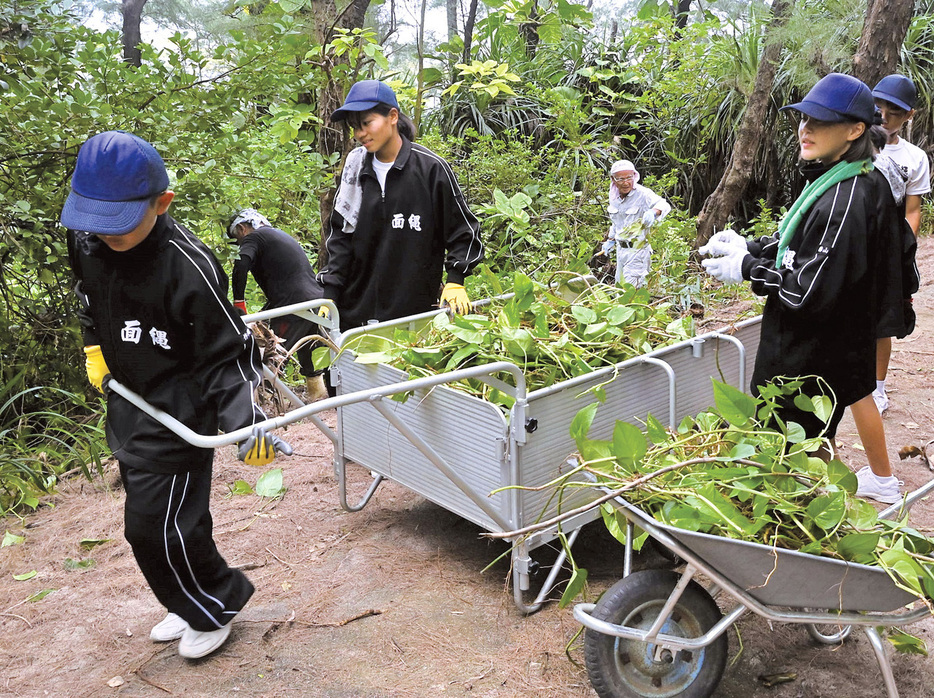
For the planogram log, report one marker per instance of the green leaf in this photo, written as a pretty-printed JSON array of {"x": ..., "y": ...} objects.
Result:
[
  {"x": 795, "y": 432},
  {"x": 241, "y": 487},
  {"x": 719, "y": 508},
  {"x": 656, "y": 430},
  {"x": 629, "y": 445},
  {"x": 620, "y": 315},
  {"x": 735, "y": 406},
  {"x": 905, "y": 643},
  {"x": 827, "y": 511},
  {"x": 857, "y": 546},
  {"x": 39, "y": 595},
  {"x": 583, "y": 314},
  {"x": 861, "y": 514},
  {"x": 24, "y": 576},
  {"x": 840, "y": 475},
  {"x": 580, "y": 425},
  {"x": 11, "y": 539},
  {"x": 320, "y": 358},
  {"x": 269, "y": 484},
  {"x": 71, "y": 564},
  {"x": 90, "y": 543},
  {"x": 574, "y": 587},
  {"x": 823, "y": 407},
  {"x": 518, "y": 341},
  {"x": 615, "y": 522},
  {"x": 742, "y": 450}
]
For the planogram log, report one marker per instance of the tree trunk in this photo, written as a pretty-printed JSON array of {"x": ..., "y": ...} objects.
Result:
[
  {"x": 420, "y": 81},
  {"x": 884, "y": 30},
  {"x": 332, "y": 138},
  {"x": 468, "y": 29},
  {"x": 529, "y": 32},
  {"x": 132, "y": 17},
  {"x": 723, "y": 200},
  {"x": 682, "y": 9},
  {"x": 451, "y": 6}
]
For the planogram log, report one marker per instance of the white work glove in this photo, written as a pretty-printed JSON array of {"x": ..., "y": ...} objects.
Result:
[
  {"x": 608, "y": 247},
  {"x": 723, "y": 243},
  {"x": 649, "y": 217},
  {"x": 728, "y": 268}
]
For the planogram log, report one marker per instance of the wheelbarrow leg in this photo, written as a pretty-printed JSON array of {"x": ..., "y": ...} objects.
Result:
[
  {"x": 520, "y": 579},
  {"x": 878, "y": 646}
]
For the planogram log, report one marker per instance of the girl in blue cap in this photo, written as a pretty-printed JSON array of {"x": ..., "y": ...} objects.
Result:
[
  {"x": 896, "y": 97},
  {"x": 826, "y": 274},
  {"x": 400, "y": 219}
]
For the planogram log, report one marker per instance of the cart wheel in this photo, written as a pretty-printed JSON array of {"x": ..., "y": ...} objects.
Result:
[
  {"x": 828, "y": 633},
  {"x": 620, "y": 668}
]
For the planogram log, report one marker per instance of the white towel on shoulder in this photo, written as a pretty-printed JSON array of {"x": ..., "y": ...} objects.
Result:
[{"x": 350, "y": 193}]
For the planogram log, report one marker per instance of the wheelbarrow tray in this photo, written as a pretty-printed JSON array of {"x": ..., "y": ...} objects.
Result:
[{"x": 777, "y": 576}]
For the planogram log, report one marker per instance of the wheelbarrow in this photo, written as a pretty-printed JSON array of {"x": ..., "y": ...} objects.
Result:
[{"x": 660, "y": 633}]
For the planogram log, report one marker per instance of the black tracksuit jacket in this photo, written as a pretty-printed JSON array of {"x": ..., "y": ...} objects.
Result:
[
  {"x": 824, "y": 304},
  {"x": 167, "y": 331},
  {"x": 279, "y": 265},
  {"x": 391, "y": 265}
]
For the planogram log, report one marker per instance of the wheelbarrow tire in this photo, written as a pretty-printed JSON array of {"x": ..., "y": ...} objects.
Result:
[{"x": 620, "y": 668}]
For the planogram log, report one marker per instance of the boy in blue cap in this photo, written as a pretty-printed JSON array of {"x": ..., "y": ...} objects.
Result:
[
  {"x": 154, "y": 315},
  {"x": 828, "y": 273},
  {"x": 896, "y": 97}
]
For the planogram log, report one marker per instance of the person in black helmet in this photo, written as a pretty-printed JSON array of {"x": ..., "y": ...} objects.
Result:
[
  {"x": 400, "y": 221},
  {"x": 282, "y": 270}
]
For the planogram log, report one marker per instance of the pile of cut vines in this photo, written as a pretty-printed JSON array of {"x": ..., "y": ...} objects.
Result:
[
  {"x": 537, "y": 328},
  {"x": 740, "y": 472}
]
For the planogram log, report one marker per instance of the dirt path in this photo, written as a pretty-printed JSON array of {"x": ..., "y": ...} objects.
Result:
[{"x": 388, "y": 602}]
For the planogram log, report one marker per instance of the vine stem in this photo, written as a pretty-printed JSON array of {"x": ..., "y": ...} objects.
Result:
[{"x": 542, "y": 525}]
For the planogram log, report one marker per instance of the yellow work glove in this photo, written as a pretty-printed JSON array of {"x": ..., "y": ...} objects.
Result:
[
  {"x": 455, "y": 296},
  {"x": 324, "y": 312},
  {"x": 96, "y": 366},
  {"x": 260, "y": 448}
]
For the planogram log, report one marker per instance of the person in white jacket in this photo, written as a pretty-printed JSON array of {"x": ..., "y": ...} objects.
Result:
[{"x": 633, "y": 210}]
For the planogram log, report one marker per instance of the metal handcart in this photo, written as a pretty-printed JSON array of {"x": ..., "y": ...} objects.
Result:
[
  {"x": 661, "y": 633},
  {"x": 455, "y": 449}
]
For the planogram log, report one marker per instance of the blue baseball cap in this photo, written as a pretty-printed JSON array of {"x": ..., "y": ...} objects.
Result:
[
  {"x": 838, "y": 97},
  {"x": 116, "y": 175},
  {"x": 898, "y": 90},
  {"x": 366, "y": 95}
]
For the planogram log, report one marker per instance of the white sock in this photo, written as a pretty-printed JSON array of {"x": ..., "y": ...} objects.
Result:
[{"x": 880, "y": 386}]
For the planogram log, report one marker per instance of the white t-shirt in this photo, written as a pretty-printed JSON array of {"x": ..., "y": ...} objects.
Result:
[
  {"x": 913, "y": 162},
  {"x": 382, "y": 169}
]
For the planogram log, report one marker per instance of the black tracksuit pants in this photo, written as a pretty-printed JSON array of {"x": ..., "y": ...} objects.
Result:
[{"x": 168, "y": 524}]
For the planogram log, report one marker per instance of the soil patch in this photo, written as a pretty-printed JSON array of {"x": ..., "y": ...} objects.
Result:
[{"x": 389, "y": 602}]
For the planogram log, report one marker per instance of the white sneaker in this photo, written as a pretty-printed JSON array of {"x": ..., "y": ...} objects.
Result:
[
  {"x": 169, "y": 628},
  {"x": 882, "y": 489},
  {"x": 200, "y": 643},
  {"x": 881, "y": 398}
]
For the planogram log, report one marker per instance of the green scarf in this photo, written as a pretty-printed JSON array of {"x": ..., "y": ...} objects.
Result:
[{"x": 789, "y": 223}]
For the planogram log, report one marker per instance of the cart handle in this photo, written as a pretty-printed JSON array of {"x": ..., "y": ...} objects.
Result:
[{"x": 205, "y": 441}]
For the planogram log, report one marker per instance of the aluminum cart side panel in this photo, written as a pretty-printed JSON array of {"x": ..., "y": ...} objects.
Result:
[
  {"x": 638, "y": 390},
  {"x": 470, "y": 434}
]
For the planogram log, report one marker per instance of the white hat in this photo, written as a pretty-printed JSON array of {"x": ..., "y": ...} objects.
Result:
[
  {"x": 248, "y": 215},
  {"x": 625, "y": 166}
]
